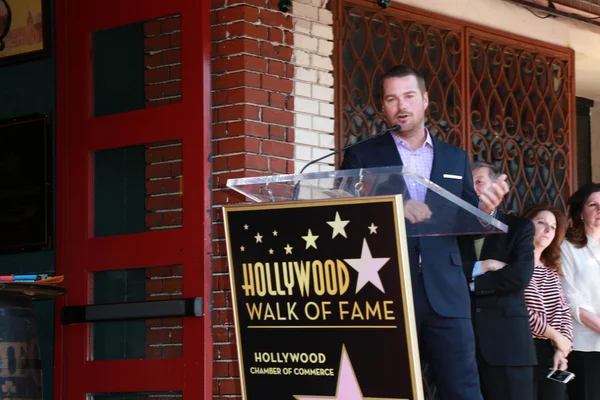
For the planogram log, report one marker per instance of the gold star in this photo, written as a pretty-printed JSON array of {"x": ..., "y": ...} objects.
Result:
[
  {"x": 275, "y": 233},
  {"x": 338, "y": 226},
  {"x": 311, "y": 240},
  {"x": 271, "y": 251},
  {"x": 242, "y": 248},
  {"x": 288, "y": 249},
  {"x": 373, "y": 229},
  {"x": 246, "y": 227},
  {"x": 258, "y": 238}
]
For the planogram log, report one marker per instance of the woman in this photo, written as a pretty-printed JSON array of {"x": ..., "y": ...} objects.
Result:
[
  {"x": 549, "y": 314},
  {"x": 580, "y": 257}
]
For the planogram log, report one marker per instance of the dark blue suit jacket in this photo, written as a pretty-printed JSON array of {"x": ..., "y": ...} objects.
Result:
[{"x": 442, "y": 271}]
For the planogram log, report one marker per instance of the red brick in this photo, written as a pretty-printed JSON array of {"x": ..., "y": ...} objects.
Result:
[
  {"x": 157, "y": 272},
  {"x": 226, "y": 351},
  {"x": 230, "y": 386},
  {"x": 170, "y": 153},
  {"x": 171, "y": 25},
  {"x": 289, "y": 103},
  {"x": 175, "y": 40},
  {"x": 219, "y": 98},
  {"x": 237, "y": 145},
  {"x": 177, "y": 270},
  {"x": 153, "y": 286},
  {"x": 156, "y": 43},
  {"x": 164, "y": 202},
  {"x": 276, "y": 132},
  {"x": 278, "y": 52},
  {"x": 257, "y": 3},
  {"x": 220, "y": 180},
  {"x": 163, "y": 186},
  {"x": 171, "y": 56},
  {"x": 278, "y": 149},
  {"x": 237, "y": 46},
  {"x": 173, "y": 351},
  {"x": 289, "y": 70},
  {"x": 175, "y": 71},
  {"x": 231, "y": 14},
  {"x": 247, "y": 29},
  {"x": 248, "y": 128},
  {"x": 156, "y": 75},
  {"x": 172, "y": 321},
  {"x": 289, "y": 38},
  {"x": 158, "y": 336},
  {"x": 219, "y": 164},
  {"x": 158, "y": 171},
  {"x": 152, "y": 28},
  {"x": 214, "y": 4},
  {"x": 153, "y": 60},
  {"x": 250, "y": 161},
  {"x": 218, "y": 33},
  {"x": 275, "y": 35},
  {"x": 236, "y": 112},
  {"x": 154, "y": 219},
  {"x": 247, "y": 95},
  {"x": 235, "y": 79},
  {"x": 273, "y": 116},
  {"x": 278, "y": 100},
  {"x": 220, "y": 334},
  {"x": 154, "y": 352},
  {"x": 221, "y": 369},
  {"x": 173, "y": 285},
  {"x": 276, "y": 19},
  {"x": 276, "y": 68},
  {"x": 239, "y": 62},
  {"x": 173, "y": 218},
  {"x": 277, "y": 84},
  {"x": 277, "y": 166},
  {"x": 220, "y": 300}
]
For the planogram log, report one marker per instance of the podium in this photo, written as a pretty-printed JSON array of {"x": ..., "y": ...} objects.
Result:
[{"x": 321, "y": 285}]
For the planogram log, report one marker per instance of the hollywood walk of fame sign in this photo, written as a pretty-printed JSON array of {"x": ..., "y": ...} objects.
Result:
[{"x": 322, "y": 300}]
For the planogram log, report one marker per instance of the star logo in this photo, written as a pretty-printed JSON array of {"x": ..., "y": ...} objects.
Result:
[
  {"x": 367, "y": 268},
  {"x": 242, "y": 248},
  {"x": 275, "y": 233},
  {"x": 258, "y": 238},
  {"x": 338, "y": 226},
  {"x": 288, "y": 249},
  {"x": 373, "y": 229},
  {"x": 347, "y": 387},
  {"x": 311, "y": 240},
  {"x": 271, "y": 251},
  {"x": 246, "y": 227}
]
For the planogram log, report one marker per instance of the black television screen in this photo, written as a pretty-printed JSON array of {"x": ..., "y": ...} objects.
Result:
[{"x": 25, "y": 187}]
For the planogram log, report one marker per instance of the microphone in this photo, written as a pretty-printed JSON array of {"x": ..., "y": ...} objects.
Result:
[
  {"x": 297, "y": 186},
  {"x": 393, "y": 128}
]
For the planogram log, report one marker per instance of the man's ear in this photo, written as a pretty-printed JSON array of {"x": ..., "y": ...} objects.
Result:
[{"x": 425, "y": 100}]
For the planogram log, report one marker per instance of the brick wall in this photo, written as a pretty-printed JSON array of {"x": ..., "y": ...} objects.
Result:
[
  {"x": 162, "y": 60},
  {"x": 313, "y": 84},
  {"x": 253, "y": 134},
  {"x": 164, "y": 337}
]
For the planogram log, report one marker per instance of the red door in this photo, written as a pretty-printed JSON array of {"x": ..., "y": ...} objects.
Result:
[{"x": 167, "y": 139}]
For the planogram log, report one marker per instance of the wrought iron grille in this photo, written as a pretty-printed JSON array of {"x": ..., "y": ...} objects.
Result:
[{"x": 518, "y": 97}]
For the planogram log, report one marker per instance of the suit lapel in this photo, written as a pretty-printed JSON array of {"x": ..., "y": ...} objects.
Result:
[
  {"x": 437, "y": 166},
  {"x": 388, "y": 151}
]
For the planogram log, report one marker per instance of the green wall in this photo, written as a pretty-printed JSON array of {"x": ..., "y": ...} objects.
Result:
[{"x": 25, "y": 89}]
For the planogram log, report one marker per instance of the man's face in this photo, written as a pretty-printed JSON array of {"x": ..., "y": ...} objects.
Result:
[
  {"x": 482, "y": 179},
  {"x": 404, "y": 103}
]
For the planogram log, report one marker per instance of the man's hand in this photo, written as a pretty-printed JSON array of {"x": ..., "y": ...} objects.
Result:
[
  {"x": 493, "y": 196},
  {"x": 491, "y": 265},
  {"x": 559, "y": 361},
  {"x": 415, "y": 211}
]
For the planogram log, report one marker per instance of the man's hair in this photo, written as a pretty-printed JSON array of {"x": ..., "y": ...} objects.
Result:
[
  {"x": 400, "y": 71},
  {"x": 494, "y": 172}
]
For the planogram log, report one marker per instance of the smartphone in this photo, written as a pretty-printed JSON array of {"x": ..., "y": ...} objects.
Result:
[{"x": 560, "y": 376}]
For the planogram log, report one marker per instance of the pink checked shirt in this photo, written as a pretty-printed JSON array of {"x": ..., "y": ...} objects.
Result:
[{"x": 419, "y": 161}]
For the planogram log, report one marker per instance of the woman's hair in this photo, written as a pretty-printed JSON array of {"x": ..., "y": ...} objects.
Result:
[
  {"x": 576, "y": 231},
  {"x": 551, "y": 254}
]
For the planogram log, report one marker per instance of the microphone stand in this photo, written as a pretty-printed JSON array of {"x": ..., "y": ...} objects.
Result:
[{"x": 297, "y": 186}]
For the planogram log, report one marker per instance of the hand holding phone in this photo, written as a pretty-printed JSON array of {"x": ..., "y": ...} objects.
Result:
[{"x": 560, "y": 376}]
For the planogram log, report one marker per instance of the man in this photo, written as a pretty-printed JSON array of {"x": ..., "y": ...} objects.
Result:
[
  {"x": 440, "y": 293},
  {"x": 504, "y": 345}
]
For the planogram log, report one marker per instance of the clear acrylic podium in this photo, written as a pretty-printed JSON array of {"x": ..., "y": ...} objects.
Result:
[{"x": 451, "y": 215}]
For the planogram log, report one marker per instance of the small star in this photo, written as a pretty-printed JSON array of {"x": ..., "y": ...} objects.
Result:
[
  {"x": 311, "y": 241},
  {"x": 242, "y": 248},
  {"x": 338, "y": 226},
  {"x": 275, "y": 233},
  {"x": 258, "y": 238},
  {"x": 288, "y": 249},
  {"x": 246, "y": 227},
  {"x": 373, "y": 229},
  {"x": 271, "y": 251}
]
